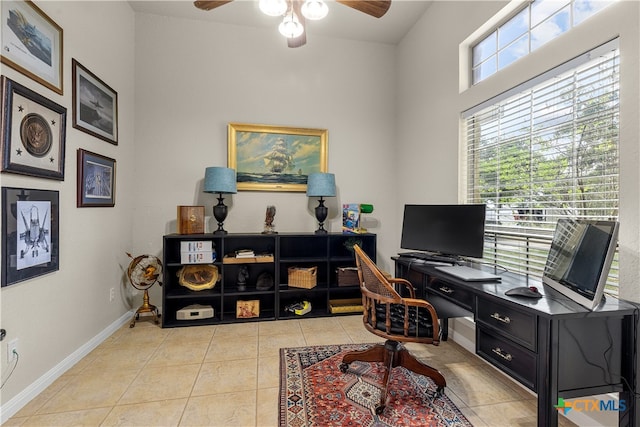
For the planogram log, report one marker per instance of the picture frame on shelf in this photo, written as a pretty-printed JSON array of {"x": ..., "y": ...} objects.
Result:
[
  {"x": 30, "y": 226},
  {"x": 95, "y": 104},
  {"x": 247, "y": 309},
  {"x": 275, "y": 158},
  {"x": 96, "y": 180},
  {"x": 33, "y": 132},
  {"x": 32, "y": 43}
]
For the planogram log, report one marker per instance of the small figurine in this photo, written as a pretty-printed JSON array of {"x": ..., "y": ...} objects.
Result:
[
  {"x": 269, "y": 227},
  {"x": 243, "y": 276}
]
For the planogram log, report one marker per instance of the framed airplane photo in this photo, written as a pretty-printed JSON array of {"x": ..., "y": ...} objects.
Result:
[
  {"x": 31, "y": 43},
  {"x": 95, "y": 105},
  {"x": 30, "y": 229}
]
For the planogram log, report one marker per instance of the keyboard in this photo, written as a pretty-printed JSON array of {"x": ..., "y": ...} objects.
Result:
[
  {"x": 427, "y": 257},
  {"x": 468, "y": 274}
]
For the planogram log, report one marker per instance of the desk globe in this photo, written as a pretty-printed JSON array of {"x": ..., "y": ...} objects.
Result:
[{"x": 143, "y": 273}]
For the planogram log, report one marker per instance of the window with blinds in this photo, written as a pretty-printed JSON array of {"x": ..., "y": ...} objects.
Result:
[{"x": 545, "y": 150}]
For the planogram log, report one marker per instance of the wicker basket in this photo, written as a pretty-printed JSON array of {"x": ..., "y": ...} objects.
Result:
[{"x": 301, "y": 277}]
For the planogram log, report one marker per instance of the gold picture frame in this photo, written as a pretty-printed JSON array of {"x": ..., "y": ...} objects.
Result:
[
  {"x": 275, "y": 158},
  {"x": 32, "y": 43}
]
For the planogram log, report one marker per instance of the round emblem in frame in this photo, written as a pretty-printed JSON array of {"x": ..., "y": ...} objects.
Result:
[{"x": 36, "y": 135}]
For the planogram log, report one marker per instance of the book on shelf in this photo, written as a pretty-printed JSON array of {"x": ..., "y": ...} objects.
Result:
[
  {"x": 197, "y": 257},
  {"x": 245, "y": 253},
  {"x": 196, "y": 245}
]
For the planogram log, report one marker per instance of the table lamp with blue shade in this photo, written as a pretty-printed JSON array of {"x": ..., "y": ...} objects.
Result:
[
  {"x": 321, "y": 185},
  {"x": 222, "y": 181}
]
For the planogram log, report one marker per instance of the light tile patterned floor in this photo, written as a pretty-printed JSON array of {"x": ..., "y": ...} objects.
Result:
[{"x": 227, "y": 375}]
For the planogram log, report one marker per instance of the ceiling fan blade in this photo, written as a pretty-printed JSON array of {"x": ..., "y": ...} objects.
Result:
[
  {"x": 210, "y": 4},
  {"x": 301, "y": 40},
  {"x": 374, "y": 8}
]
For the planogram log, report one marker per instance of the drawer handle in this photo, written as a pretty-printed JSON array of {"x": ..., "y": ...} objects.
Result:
[
  {"x": 499, "y": 352},
  {"x": 500, "y": 318},
  {"x": 446, "y": 290}
]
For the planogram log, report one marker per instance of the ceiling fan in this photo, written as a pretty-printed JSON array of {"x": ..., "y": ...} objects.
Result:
[{"x": 294, "y": 13}]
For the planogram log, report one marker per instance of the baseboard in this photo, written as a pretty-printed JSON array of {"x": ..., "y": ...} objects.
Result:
[
  {"x": 10, "y": 408},
  {"x": 465, "y": 337}
]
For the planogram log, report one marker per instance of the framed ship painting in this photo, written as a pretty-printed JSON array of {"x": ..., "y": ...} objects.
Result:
[{"x": 273, "y": 158}]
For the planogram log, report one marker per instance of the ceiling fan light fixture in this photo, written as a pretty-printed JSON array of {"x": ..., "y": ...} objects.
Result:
[
  {"x": 273, "y": 7},
  {"x": 290, "y": 27},
  {"x": 314, "y": 9}
]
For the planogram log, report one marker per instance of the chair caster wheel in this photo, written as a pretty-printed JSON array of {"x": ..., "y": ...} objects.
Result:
[
  {"x": 380, "y": 409},
  {"x": 440, "y": 391},
  {"x": 344, "y": 367}
]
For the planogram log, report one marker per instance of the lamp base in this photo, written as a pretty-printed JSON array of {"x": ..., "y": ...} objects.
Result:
[
  {"x": 220, "y": 214},
  {"x": 321, "y": 214}
]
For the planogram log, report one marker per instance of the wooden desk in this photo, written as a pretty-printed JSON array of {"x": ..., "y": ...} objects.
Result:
[{"x": 551, "y": 345}]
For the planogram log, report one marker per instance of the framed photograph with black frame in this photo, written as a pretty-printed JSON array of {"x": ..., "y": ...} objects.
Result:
[
  {"x": 96, "y": 180},
  {"x": 33, "y": 132},
  {"x": 30, "y": 230},
  {"x": 31, "y": 43},
  {"x": 95, "y": 105}
]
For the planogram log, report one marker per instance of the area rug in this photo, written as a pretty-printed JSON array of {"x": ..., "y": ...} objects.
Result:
[{"x": 314, "y": 393}]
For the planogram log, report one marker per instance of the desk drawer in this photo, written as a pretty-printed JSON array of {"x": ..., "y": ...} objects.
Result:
[
  {"x": 508, "y": 356},
  {"x": 515, "y": 324},
  {"x": 452, "y": 292}
]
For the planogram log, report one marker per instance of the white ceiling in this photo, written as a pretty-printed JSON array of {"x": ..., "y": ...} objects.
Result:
[{"x": 342, "y": 21}]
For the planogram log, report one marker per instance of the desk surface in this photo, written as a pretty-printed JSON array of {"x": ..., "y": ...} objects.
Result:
[{"x": 552, "y": 303}]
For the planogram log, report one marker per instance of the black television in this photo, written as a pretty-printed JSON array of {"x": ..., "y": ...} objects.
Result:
[
  {"x": 580, "y": 258},
  {"x": 452, "y": 231}
]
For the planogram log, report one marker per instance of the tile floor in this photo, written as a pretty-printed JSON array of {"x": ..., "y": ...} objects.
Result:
[{"x": 227, "y": 375}]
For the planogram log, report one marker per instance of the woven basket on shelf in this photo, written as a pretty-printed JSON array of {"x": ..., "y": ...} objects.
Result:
[{"x": 303, "y": 277}]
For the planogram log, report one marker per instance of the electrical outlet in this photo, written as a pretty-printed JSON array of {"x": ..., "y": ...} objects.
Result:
[
  {"x": 112, "y": 294},
  {"x": 12, "y": 349}
]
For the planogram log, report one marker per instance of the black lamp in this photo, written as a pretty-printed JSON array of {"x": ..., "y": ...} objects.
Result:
[
  {"x": 222, "y": 181},
  {"x": 321, "y": 185}
]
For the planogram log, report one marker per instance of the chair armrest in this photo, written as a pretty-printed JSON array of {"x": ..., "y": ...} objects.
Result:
[
  {"x": 413, "y": 302},
  {"x": 406, "y": 283}
]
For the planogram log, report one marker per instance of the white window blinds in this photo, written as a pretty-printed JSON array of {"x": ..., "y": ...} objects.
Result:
[{"x": 546, "y": 150}]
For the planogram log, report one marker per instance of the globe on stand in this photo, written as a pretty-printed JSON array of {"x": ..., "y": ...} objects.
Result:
[{"x": 143, "y": 272}]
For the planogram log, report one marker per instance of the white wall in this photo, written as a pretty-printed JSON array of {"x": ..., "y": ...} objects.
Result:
[
  {"x": 193, "y": 78},
  {"x": 428, "y": 105},
  {"x": 54, "y": 315}
]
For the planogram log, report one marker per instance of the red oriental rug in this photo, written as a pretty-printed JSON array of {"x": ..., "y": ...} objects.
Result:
[{"x": 314, "y": 393}]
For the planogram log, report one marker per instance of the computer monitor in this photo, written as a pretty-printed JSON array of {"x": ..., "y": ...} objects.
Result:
[
  {"x": 580, "y": 258},
  {"x": 450, "y": 230}
]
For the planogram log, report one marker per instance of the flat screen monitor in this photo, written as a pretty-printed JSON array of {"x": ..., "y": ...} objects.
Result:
[
  {"x": 450, "y": 230},
  {"x": 580, "y": 258}
]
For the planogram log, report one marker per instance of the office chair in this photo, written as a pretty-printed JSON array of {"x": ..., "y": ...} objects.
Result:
[{"x": 398, "y": 319}]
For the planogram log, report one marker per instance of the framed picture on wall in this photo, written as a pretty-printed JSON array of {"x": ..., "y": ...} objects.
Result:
[
  {"x": 33, "y": 132},
  {"x": 96, "y": 180},
  {"x": 274, "y": 158},
  {"x": 30, "y": 233},
  {"x": 95, "y": 105},
  {"x": 31, "y": 43}
]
